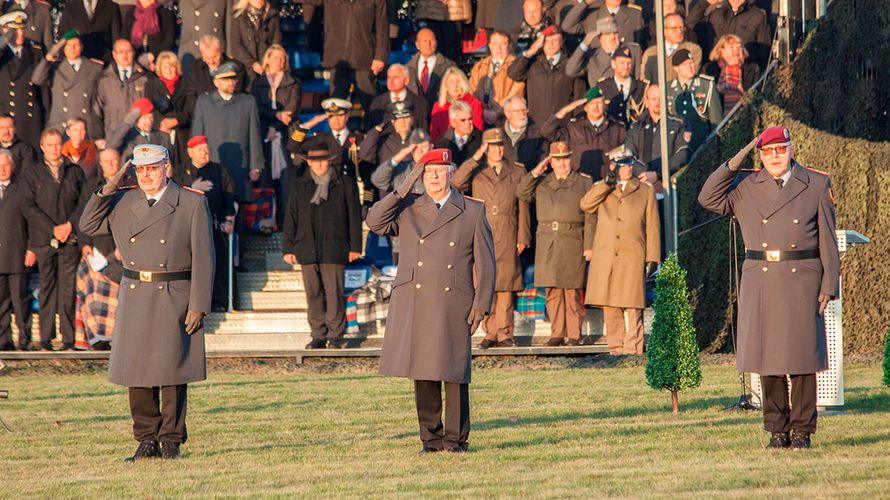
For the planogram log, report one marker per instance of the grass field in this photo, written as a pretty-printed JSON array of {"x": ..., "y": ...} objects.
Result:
[{"x": 539, "y": 432}]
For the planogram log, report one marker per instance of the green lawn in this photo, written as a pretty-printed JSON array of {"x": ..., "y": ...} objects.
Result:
[{"x": 540, "y": 432}]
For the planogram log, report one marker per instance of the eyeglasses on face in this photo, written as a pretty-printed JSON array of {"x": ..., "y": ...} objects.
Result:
[
  {"x": 435, "y": 170},
  {"x": 148, "y": 169},
  {"x": 774, "y": 150}
]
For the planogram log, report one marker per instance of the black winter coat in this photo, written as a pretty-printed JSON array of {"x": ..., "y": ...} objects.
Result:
[
  {"x": 325, "y": 233},
  {"x": 248, "y": 43},
  {"x": 13, "y": 229}
]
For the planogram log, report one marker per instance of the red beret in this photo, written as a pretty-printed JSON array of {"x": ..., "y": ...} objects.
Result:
[
  {"x": 550, "y": 30},
  {"x": 143, "y": 105},
  {"x": 437, "y": 156},
  {"x": 773, "y": 135},
  {"x": 197, "y": 141}
]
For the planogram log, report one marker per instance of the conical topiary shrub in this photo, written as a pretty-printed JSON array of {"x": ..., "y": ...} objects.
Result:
[{"x": 672, "y": 359}]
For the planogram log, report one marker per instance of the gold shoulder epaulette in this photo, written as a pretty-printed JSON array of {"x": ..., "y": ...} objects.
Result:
[
  {"x": 826, "y": 174},
  {"x": 298, "y": 135},
  {"x": 582, "y": 174},
  {"x": 634, "y": 6},
  {"x": 474, "y": 199},
  {"x": 197, "y": 191},
  {"x": 706, "y": 77}
]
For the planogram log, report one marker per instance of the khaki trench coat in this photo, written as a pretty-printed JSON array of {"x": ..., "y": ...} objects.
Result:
[
  {"x": 151, "y": 347},
  {"x": 627, "y": 236},
  {"x": 446, "y": 268},
  {"x": 564, "y": 231},
  {"x": 502, "y": 86},
  {"x": 780, "y": 330},
  {"x": 508, "y": 217}
]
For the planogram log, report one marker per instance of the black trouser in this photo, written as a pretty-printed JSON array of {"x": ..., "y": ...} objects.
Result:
[
  {"x": 14, "y": 298},
  {"x": 778, "y": 416},
  {"x": 449, "y": 37},
  {"x": 456, "y": 431},
  {"x": 365, "y": 85},
  {"x": 221, "y": 274},
  {"x": 159, "y": 413},
  {"x": 58, "y": 276},
  {"x": 324, "y": 299}
]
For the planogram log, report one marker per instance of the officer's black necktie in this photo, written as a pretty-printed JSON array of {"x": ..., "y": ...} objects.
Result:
[
  {"x": 438, "y": 206},
  {"x": 151, "y": 202},
  {"x": 780, "y": 183}
]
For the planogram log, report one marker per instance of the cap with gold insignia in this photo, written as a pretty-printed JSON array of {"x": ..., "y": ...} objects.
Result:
[
  {"x": 14, "y": 20},
  {"x": 560, "y": 149},
  {"x": 227, "y": 69},
  {"x": 493, "y": 136},
  {"x": 621, "y": 156},
  {"x": 335, "y": 106},
  {"x": 622, "y": 51},
  {"x": 149, "y": 154},
  {"x": 681, "y": 56},
  {"x": 593, "y": 93},
  {"x": 401, "y": 109},
  {"x": 441, "y": 156}
]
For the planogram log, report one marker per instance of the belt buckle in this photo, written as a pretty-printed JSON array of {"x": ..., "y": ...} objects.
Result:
[
  {"x": 145, "y": 276},
  {"x": 773, "y": 255},
  {"x": 554, "y": 226},
  {"x": 494, "y": 210}
]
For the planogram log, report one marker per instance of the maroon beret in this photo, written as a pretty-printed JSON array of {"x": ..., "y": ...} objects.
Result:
[
  {"x": 143, "y": 105},
  {"x": 550, "y": 30},
  {"x": 437, "y": 156},
  {"x": 773, "y": 135},
  {"x": 197, "y": 141}
]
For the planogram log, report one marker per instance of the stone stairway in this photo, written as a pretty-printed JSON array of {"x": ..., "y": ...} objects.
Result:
[{"x": 270, "y": 310}]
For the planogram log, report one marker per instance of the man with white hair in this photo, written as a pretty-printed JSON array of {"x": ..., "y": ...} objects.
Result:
[
  {"x": 461, "y": 138},
  {"x": 397, "y": 91},
  {"x": 15, "y": 258},
  {"x": 198, "y": 77},
  {"x": 523, "y": 142},
  {"x": 163, "y": 234}
]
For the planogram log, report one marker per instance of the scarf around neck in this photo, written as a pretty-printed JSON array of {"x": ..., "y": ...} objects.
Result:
[
  {"x": 145, "y": 23},
  {"x": 170, "y": 83},
  {"x": 321, "y": 186}
]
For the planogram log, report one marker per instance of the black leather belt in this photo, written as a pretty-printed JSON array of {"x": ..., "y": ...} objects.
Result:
[
  {"x": 782, "y": 255},
  {"x": 153, "y": 277}
]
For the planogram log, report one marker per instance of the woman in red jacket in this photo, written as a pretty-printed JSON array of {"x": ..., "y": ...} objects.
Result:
[{"x": 455, "y": 87}]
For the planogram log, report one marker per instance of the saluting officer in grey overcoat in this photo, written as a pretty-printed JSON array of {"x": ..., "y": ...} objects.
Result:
[
  {"x": 791, "y": 271},
  {"x": 444, "y": 287},
  {"x": 164, "y": 236}
]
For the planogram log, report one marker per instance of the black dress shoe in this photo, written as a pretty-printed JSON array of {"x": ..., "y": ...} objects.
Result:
[
  {"x": 46, "y": 347},
  {"x": 146, "y": 449},
  {"x": 169, "y": 450},
  {"x": 317, "y": 344},
  {"x": 7, "y": 347},
  {"x": 487, "y": 343},
  {"x": 554, "y": 342},
  {"x": 102, "y": 345},
  {"x": 800, "y": 440},
  {"x": 779, "y": 440},
  {"x": 507, "y": 343},
  {"x": 336, "y": 343},
  {"x": 428, "y": 449},
  {"x": 573, "y": 342},
  {"x": 588, "y": 340},
  {"x": 461, "y": 448}
]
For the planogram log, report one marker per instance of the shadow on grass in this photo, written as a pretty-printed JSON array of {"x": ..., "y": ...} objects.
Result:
[
  {"x": 255, "y": 407},
  {"x": 79, "y": 395},
  {"x": 864, "y": 440},
  {"x": 866, "y": 403},
  {"x": 253, "y": 449}
]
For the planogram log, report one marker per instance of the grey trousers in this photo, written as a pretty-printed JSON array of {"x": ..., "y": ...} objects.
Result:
[{"x": 324, "y": 298}]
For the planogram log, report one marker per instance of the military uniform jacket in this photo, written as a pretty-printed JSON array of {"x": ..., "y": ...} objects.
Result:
[
  {"x": 199, "y": 18},
  {"x": 649, "y": 65},
  {"x": 589, "y": 143},
  {"x": 596, "y": 64},
  {"x": 623, "y": 109},
  {"x": 446, "y": 268},
  {"x": 22, "y": 99},
  {"x": 73, "y": 92},
  {"x": 151, "y": 347},
  {"x": 699, "y": 106},
  {"x": 780, "y": 330},
  {"x": 114, "y": 97},
  {"x": 508, "y": 217},
  {"x": 581, "y": 19},
  {"x": 221, "y": 197},
  {"x": 13, "y": 230},
  {"x": 564, "y": 230},
  {"x": 627, "y": 236},
  {"x": 642, "y": 142},
  {"x": 39, "y": 28},
  {"x": 49, "y": 203}
]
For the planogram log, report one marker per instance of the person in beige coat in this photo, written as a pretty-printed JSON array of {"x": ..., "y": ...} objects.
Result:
[
  {"x": 564, "y": 239},
  {"x": 494, "y": 181},
  {"x": 626, "y": 248},
  {"x": 489, "y": 81},
  {"x": 442, "y": 291}
]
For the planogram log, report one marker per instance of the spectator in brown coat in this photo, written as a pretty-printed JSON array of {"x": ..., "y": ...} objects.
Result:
[{"x": 489, "y": 81}]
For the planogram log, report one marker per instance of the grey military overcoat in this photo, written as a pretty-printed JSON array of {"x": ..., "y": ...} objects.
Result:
[
  {"x": 446, "y": 268},
  {"x": 151, "y": 347},
  {"x": 564, "y": 230},
  {"x": 73, "y": 92},
  {"x": 780, "y": 330},
  {"x": 199, "y": 18}
]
